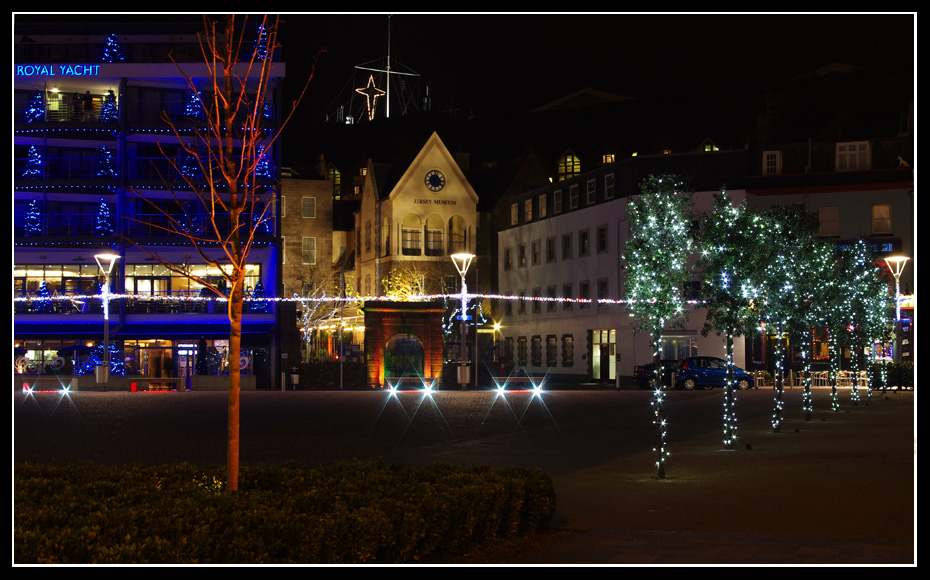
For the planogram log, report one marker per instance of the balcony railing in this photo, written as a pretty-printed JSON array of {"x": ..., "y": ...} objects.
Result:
[{"x": 183, "y": 302}]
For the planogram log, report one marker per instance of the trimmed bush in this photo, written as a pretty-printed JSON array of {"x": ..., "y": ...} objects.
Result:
[{"x": 355, "y": 512}]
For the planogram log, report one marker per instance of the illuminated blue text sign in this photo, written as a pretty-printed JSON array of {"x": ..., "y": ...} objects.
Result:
[{"x": 57, "y": 70}]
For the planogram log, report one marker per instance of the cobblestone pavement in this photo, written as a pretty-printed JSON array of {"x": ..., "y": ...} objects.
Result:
[{"x": 835, "y": 490}]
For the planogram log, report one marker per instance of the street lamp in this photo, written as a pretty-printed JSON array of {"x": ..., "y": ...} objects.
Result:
[
  {"x": 896, "y": 265},
  {"x": 105, "y": 262},
  {"x": 462, "y": 261}
]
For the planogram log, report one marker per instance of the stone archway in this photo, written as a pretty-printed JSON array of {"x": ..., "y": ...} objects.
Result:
[{"x": 413, "y": 320}]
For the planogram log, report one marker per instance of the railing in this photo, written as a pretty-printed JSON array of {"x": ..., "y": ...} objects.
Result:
[
  {"x": 95, "y": 168},
  {"x": 183, "y": 302}
]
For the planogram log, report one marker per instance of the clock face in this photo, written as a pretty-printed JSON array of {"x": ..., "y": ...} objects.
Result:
[{"x": 435, "y": 180}]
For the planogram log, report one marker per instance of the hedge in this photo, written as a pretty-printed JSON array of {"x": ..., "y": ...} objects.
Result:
[{"x": 354, "y": 512}]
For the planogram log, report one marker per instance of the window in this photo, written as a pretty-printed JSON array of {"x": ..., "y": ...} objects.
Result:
[
  {"x": 566, "y": 246},
  {"x": 514, "y": 214},
  {"x": 528, "y": 211},
  {"x": 308, "y": 250},
  {"x": 591, "y": 192},
  {"x": 584, "y": 244},
  {"x": 550, "y": 304},
  {"x": 508, "y": 258},
  {"x": 535, "y": 248},
  {"x": 881, "y": 219},
  {"x": 521, "y": 309},
  {"x": 608, "y": 158},
  {"x": 536, "y": 351},
  {"x": 829, "y": 221},
  {"x": 601, "y": 239},
  {"x": 557, "y": 201},
  {"x": 551, "y": 350},
  {"x": 573, "y": 197},
  {"x": 542, "y": 206},
  {"x": 283, "y": 252},
  {"x": 521, "y": 255},
  {"x": 521, "y": 351},
  {"x": 283, "y": 206},
  {"x": 771, "y": 163},
  {"x": 568, "y": 350},
  {"x": 308, "y": 207},
  {"x": 567, "y": 295},
  {"x": 852, "y": 156},
  {"x": 508, "y": 305},
  {"x": 602, "y": 287},
  {"x": 609, "y": 186},
  {"x": 410, "y": 236},
  {"x": 368, "y": 235},
  {"x": 584, "y": 292},
  {"x": 569, "y": 166},
  {"x": 550, "y": 250},
  {"x": 536, "y": 302}
]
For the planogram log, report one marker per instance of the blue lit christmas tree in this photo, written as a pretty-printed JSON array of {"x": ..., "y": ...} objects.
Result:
[
  {"x": 104, "y": 225},
  {"x": 263, "y": 168},
  {"x": 109, "y": 113},
  {"x": 258, "y": 294},
  {"x": 106, "y": 168},
  {"x": 43, "y": 301},
  {"x": 35, "y": 110},
  {"x": 194, "y": 107},
  {"x": 34, "y": 164},
  {"x": 33, "y": 225},
  {"x": 261, "y": 43},
  {"x": 111, "y": 50}
]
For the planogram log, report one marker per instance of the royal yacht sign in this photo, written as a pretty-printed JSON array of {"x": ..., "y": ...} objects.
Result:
[{"x": 57, "y": 70}]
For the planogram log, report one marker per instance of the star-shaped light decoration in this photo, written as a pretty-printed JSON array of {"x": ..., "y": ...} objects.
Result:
[{"x": 372, "y": 93}]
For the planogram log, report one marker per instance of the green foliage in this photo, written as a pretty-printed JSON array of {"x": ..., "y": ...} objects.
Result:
[
  {"x": 356, "y": 512},
  {"x": 657, "y": 253},
  {"x": 891, "y": 375}
]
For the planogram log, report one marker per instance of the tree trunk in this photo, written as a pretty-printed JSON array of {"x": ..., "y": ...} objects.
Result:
[{"x": 235, "y": 350}]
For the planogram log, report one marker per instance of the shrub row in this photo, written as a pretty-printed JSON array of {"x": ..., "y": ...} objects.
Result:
[
  {"x": 356, "y": 512},
  {"x": 892, "y": 375}
]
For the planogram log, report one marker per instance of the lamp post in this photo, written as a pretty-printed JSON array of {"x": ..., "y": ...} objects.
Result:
[
  {"x": 896, "y": 265},
  {"x": 105, "y": 262},
  {"x": 462, "y": 261}
]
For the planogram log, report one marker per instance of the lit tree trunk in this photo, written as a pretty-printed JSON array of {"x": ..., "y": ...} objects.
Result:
[
  {"x": 729, "y": 399},
  {"x": 779, "y": 381},
  {"x": 658, "y": 404}
]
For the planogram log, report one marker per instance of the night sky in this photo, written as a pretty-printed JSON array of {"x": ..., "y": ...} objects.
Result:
[{"x": 497, "y": 63}]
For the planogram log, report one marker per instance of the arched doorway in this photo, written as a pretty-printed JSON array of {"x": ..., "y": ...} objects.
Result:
[{"x": 403, "y": 356}]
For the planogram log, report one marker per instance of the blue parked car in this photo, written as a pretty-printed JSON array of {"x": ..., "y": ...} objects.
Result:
[{"x": 707, "y": 372}]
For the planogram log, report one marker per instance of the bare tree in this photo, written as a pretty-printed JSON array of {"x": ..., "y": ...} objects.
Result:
[{"x": 224, "y": 197}]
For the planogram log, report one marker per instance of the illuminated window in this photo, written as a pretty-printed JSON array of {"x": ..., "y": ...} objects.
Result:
[
  {"x": 514, "y": 214},
  {"x": 771, "y": 163},
  {"x": 881, "y": 219},
  {"x": 528, "y": 211},
  {"x": 333, "y": 175},
  {"x": 542, "y": 206},
  {"x": 852, "y": 156},
  {"x": 829, "y": 221},
  {"x": 569, "y": 166},
  {"x": 608, "y": 158}
]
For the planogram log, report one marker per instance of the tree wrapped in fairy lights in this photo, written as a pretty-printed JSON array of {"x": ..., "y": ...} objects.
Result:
[
  {"x": 109, "y": 112},
  {"x": 33, "y": 225},
  {"x": 732, "y": 263},
  {"x": 35, "y": 166},
  {"x": 791, "y": 232},
  {"x": 656, "y": 272},
  {"x": 859, "y": 315},
  {"x": 814, "y": 289},
  {"x": 104, "y": 225},
  {"x": 111, "y": 50}
]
